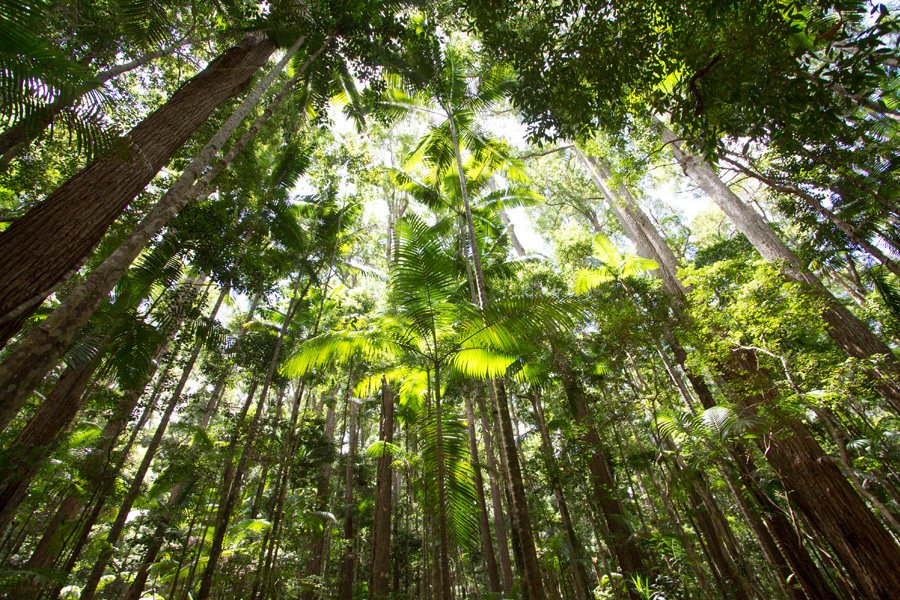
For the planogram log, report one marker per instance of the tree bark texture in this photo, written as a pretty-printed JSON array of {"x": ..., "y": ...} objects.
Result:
[
  {"x": 496, "y": 499},
  {"x": 624, "y": 545},
  {"x": 38, "y": 351},
  {"x": 532, "y": 571},
  {"x": 815, "y": 484}
]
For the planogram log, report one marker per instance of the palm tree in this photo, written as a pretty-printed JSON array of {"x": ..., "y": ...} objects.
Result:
[{"x": 444, "y": 83}]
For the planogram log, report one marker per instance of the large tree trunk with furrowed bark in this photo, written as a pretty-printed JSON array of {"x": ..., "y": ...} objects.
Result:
[{"x": 815, "y": 484}]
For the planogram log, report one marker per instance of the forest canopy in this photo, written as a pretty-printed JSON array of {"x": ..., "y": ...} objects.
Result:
[{"x": 438, "y": 300}]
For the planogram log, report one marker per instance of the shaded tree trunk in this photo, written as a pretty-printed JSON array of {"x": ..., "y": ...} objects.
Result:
[
  {"x": 624, "y": 545},
  {"x": 40, "y": 350},
  {"x": 317, "y": 550},
  {"x": 496, "y": 499},
  {"x": 816, "y": 485},
  {"x": 531, "y": 567},
  {"x": 582, "y": 587},
  {"x": 348, "y": 564}
]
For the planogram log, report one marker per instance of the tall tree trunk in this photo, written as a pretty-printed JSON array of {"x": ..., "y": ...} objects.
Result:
[
  {"x": 43, "y": 248},
  {"x": 520, "y": 506},
  {"x": 43, "y": 433},
  {"x": 134, "y": 591},
  {"x": 816, "y": 485},
  {"x": 379, "y": 586},
  {"x": 624, "y": 545},
  {"x": 808, "y": 473},
  {"x": 845, "y": 328},
  {"x": 230, "y": 488},
  {"x": 532, "y": 571},
  {"x": 487, "y": 544},
  {"x": 348, "y": 563},
  {"x": 445, "y": 591}
]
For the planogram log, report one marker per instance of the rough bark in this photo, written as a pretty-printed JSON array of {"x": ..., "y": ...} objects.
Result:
[
  {"x": 815, "y": 484},
  {"x": 43, "y": 433},
  {"x": 531, "y": 572},
  {"x": 43, "y": 248},
  {"x": 604, "y": 486},
  {"x": 496, "y": 500}
]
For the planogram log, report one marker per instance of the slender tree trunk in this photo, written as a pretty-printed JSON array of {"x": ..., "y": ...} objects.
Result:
[
  {"x": 348, "y": 564},
  {"x": 379, "y": 587},
  {"x": 118, "y": 526},
  {"x": 520, "y": 505},
  {"x": 230, "y": 489},
  {"x": 626, "y": 550},
  {"x": 694, "y": 559},
  {"x": 40, "y": 350},
  {"x": 42, "y": 249},
  {"x": 487, "y": 544},
  {"x": 445, "y": 590},
  {"x": 496, "y": 499},
  {"x": 532, "y": 572},
  {"x": 134, "y": 591}
]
